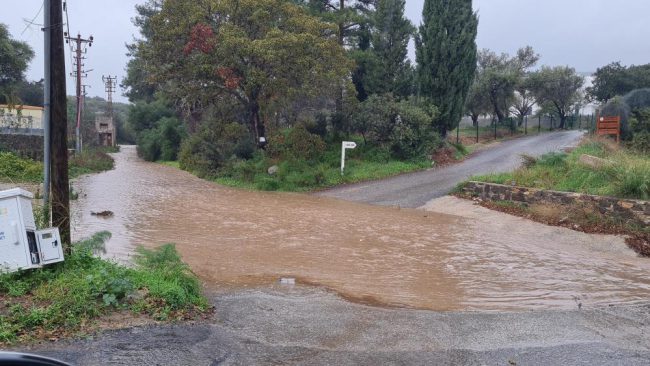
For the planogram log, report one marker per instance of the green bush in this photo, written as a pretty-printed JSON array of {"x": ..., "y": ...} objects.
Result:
[
  {"x": 209, "y": 150},
  {"x": 161, "y": 142},
  {"x": 15, "y": 168},
  {"x": 295, "y": 144},
  {"x": 67, "y": 297},
  {"x": 403, "y": 128}
]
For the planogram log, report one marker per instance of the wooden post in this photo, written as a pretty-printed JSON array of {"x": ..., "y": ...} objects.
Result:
[{"x": 59, "y": 128}]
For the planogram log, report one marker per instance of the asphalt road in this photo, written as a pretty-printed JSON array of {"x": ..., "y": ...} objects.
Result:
[
  {"x": 308, "y": 326},
  {"x": 416, "y": 189}
]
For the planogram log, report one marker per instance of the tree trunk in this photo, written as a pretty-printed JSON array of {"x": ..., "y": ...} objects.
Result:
[
  {"x": 256, "y": 123},
  {"x": 475, "y": 118}
]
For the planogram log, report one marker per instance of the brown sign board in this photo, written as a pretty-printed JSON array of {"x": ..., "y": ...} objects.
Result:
[{"x": 610, "y": 126}]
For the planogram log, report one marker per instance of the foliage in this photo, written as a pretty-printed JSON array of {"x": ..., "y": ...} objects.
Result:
[
  {"x": 162, "y": 142},
  {"x": 390, "y": 37},
  {"x": 209, "y": 150},
  {"x": 263, "y": 54},
  {"x": 640, "y": 129},
  {"x": 296, "y": 143},
  {"x": 400, "y": 127},
  {"x": 63, "y": 299},
  {"x": 363, "y": 163},
  {"x": 615, "y": 79},
  {"x": 14, "y": 60},
  {"x": 628, "y": 175},
  {"x": 446, "y": 57},
  {"x": 499, "y": 76},
  {"x": 557, "y": 86},
  {"x": 145, "y": 115},
  {"x": 16, "y": 169},
  {"x": 90, "y": 161},
  {"x": 478, "y": 102}
]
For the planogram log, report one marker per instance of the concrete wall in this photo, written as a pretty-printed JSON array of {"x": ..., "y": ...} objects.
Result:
[{"x": 631, "y": 209}]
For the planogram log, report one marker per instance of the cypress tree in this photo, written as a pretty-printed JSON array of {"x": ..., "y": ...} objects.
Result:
[
  {"x": 390, "y": 44},
  {"x": 446, "y": 57}
]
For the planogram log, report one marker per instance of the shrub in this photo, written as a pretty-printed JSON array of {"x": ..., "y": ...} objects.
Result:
[
  {"x": 65, "y": 298},
  {"x": 295, "y": 144},
  {"x": 161, "y": 142},
  {"x": 403, "y": 128},
  {"x": 15, "y": 168},
  {"x": 209, "y": 150}
]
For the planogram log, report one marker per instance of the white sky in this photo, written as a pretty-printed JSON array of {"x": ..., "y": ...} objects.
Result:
[{"x": 584, "y": 34}]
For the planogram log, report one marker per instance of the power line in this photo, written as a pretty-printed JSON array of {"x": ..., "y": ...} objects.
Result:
[{"x": 31, "y": 22}]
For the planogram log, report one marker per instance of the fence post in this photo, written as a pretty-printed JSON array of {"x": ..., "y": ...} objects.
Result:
[{"x": 539, "y": 126}]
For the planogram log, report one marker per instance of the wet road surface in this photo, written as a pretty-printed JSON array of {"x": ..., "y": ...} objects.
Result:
[
  {"x": 377, "y": 255},
  {"x": 415, "y": 189},
  {"x": 307, "y": 326}
]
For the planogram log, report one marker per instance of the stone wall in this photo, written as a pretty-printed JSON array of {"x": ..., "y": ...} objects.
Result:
[
  {"x": 24, "y": 145},
  {"x": 616, "y": 207}
]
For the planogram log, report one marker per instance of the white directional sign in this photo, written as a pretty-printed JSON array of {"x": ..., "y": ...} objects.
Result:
[{"x": 346, "y": 145}]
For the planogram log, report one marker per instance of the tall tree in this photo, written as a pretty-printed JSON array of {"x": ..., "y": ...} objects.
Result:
[
  {"x": 523, "y": 102},
  {"x": 138, "y": 82},
  {"x": 446, "y": 58},
  {"x": 14, "y": 59},
  {"x": 615, "y": 79},
  {"x": 558, "y": 87},
  {"x": 261, "y": 53},
  {"x": 478, "y": 101},
  {"x": 390, "y": 40},
  {"x": 502, "y": 74}
]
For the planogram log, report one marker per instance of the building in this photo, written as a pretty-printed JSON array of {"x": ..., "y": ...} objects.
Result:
[
  {"x": 21, "y": 117},
  {"x": 106, "y": 132}
]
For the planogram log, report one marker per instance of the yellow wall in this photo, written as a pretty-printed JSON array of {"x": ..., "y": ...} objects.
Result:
[{"x": 21, "y": 117}]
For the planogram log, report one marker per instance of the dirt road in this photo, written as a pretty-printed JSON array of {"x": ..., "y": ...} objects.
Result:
[{"x": 416, "y": 189}]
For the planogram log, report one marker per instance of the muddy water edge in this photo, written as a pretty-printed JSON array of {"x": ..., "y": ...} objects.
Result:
[{"x": 381, "y": 255}]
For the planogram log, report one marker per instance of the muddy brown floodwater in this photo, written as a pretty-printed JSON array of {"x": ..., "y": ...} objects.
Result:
[{"x": 398, "y": 257}]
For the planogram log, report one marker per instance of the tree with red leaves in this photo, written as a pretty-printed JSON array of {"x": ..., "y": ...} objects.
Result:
[{"x": 266, "y": 54}]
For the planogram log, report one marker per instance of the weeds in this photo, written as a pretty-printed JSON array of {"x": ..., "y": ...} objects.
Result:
[
  {"x": 24, "y": 170},
  {"x": 627, "y": 177},
  {"x": 65, "y": 299}
]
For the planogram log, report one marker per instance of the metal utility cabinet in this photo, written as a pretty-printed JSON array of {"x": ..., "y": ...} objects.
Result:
[{"x": 21, "y": 245}]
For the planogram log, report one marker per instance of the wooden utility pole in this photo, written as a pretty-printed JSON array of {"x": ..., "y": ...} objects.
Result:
[
  {"x": 59, "y": 125},
  {"x": 79, "y": 73}
]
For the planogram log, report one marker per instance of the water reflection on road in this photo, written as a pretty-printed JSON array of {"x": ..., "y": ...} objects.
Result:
[{"x": 235, "y": 238}]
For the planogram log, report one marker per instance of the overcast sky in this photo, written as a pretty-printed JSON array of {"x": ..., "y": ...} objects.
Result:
[{"x": 584, "y": 34}]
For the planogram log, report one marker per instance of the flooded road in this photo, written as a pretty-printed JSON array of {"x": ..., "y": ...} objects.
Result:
[{"x": 378, "y": 255}]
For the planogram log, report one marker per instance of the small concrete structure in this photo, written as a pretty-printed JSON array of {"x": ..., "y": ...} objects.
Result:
[{"x": 106, "y": 131}]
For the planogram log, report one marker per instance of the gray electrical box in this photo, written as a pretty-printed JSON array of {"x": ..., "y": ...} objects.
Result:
[{"x": 21, "y": 245}]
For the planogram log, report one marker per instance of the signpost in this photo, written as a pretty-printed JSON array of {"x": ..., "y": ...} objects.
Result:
[
  {"x": 344, "y": 146},
  {"x": 609, "y": 126}
]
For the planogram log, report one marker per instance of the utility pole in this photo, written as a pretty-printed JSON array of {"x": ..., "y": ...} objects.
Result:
[
  {"x": 79, "y": 73},
  {"x": 109, "y": 84},
  {"x": 46, "y": 111},
  {"x": 59, "y": 124}
]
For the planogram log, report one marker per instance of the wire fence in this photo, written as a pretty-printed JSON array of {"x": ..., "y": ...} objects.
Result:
[{"x": 490, "y": 129}]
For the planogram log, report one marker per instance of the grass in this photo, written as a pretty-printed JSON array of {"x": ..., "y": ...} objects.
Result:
[
  {"x": 14, "y": 168},
  {"x": 68, "y": 298},
  {"x": 294, "y": 175},
  {"x": 626, "y": 175}
]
